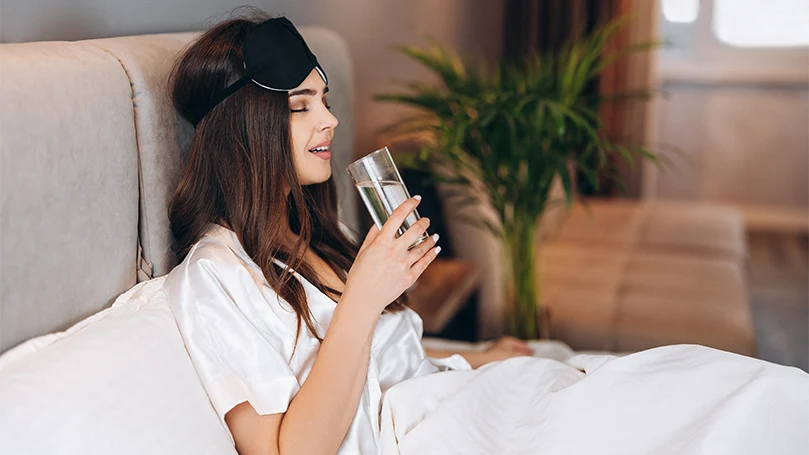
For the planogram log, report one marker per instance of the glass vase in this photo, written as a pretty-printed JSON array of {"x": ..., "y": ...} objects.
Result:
[{"x": 521, "y": 281}]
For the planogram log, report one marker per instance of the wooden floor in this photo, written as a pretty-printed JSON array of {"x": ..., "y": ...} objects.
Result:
[{"x": 778, "y": 274}]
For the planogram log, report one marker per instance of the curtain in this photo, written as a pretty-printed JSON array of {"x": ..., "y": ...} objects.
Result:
[{"x": 544, "y": 25}]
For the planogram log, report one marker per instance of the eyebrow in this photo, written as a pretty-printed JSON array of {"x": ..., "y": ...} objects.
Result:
[{"x": 307, "y": 92}]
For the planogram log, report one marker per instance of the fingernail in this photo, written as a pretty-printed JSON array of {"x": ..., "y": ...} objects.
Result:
[
  {"x": 435, "y": 237},
  {"x": 417, "y": 197},
  {"x": 437, "y": 249}
]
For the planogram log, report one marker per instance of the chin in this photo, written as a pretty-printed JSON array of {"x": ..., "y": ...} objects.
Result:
[{"x": 314, "y": 180}]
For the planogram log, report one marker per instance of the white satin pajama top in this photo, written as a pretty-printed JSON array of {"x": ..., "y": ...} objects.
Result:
[{"x": 240, "y": 335}]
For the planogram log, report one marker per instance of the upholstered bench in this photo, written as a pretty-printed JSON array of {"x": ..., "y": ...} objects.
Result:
[{"x": 626, "y": 276}]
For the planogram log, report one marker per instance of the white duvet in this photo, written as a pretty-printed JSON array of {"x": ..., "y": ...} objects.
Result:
[{"x": 672, "y": 400}]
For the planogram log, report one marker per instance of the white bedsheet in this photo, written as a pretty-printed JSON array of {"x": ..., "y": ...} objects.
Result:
[{"x": 681, "y": 399}]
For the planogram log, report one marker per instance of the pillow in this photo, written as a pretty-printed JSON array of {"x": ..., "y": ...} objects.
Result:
[{"x": 117, "y": 382}]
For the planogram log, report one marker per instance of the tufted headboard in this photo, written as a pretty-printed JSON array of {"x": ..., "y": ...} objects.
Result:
[{"x": 90, "y": 153}]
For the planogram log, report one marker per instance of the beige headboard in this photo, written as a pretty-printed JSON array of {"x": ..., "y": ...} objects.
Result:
[{"x": 90, "y": 152}]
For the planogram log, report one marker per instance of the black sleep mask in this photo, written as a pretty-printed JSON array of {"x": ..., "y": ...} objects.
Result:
[{"x": 275, "y": 57}]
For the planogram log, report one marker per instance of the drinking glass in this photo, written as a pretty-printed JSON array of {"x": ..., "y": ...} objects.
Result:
[{"x": 382, "y": 189}]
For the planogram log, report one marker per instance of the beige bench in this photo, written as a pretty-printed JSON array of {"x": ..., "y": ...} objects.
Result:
[{"x": 626, "y": 276}]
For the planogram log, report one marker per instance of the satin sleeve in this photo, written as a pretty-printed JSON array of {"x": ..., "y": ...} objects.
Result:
[{"x": 238, "y": 354}]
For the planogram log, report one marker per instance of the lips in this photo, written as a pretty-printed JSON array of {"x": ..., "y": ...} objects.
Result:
[
  {"x": 324, "y": 146},
  {"x": 322, "y": 150}
]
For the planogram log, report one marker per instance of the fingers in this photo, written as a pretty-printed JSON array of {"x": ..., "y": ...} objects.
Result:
[
  {"x": 512, "y": 340},
  {"x": 516, "y": 345},
  {"x": 427, "y": 259},
  {"x": 422, "y": 248},
  {"x": 521, "y": 346},
  {"x": 369, "y": 237},
  {"x": 395, "y": 220},
  {"x": 525, "y": 349},
  {"x": 414, "y": 232}
]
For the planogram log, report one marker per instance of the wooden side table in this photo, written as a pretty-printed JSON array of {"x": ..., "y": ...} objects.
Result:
[{"x": 441, "y": 291}]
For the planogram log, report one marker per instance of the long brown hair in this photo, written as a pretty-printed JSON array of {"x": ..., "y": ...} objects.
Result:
[{"x": 239, "y": 158}]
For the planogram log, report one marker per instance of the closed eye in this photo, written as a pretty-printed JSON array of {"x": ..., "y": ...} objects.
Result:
[{"x": 305, "y": 109}]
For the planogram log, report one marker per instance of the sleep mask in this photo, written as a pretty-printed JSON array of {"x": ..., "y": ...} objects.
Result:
[{"x": 275, "y": 57}]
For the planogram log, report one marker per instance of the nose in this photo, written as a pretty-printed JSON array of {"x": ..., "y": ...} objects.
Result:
[{"x": 329, "y": 121}]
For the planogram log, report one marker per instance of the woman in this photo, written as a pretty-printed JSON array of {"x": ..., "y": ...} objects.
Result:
[{"x": 294, "y": 330}]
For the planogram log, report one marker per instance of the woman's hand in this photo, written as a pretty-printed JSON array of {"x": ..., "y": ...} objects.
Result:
[
  {"x": 507, "y": 347},
  {"x": 504, "y": 348},
  {"x": 384, "y": 268}
]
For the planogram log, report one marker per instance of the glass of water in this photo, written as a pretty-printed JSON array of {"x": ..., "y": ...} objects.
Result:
[{"x": 382, "y": 189}]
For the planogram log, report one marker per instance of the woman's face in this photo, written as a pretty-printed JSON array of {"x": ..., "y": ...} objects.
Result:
[{"x": 312, "y": 126}]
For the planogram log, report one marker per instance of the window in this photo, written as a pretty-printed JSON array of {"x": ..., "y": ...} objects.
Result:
[
  {"x": 761, "y": 23},
  {"x": 680, "y": 11}
]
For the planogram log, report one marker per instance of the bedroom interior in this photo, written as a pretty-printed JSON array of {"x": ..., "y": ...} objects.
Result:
[{"x": 704, "y": 243}]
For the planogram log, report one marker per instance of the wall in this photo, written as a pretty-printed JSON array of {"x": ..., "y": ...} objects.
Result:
[{"x": 741, "y": 143}]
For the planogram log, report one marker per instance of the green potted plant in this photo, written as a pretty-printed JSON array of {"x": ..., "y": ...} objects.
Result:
[{"x": 502, "y": 139}]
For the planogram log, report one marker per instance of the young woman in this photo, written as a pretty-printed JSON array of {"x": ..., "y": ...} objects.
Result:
[{"x": 294, "y": 330}]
